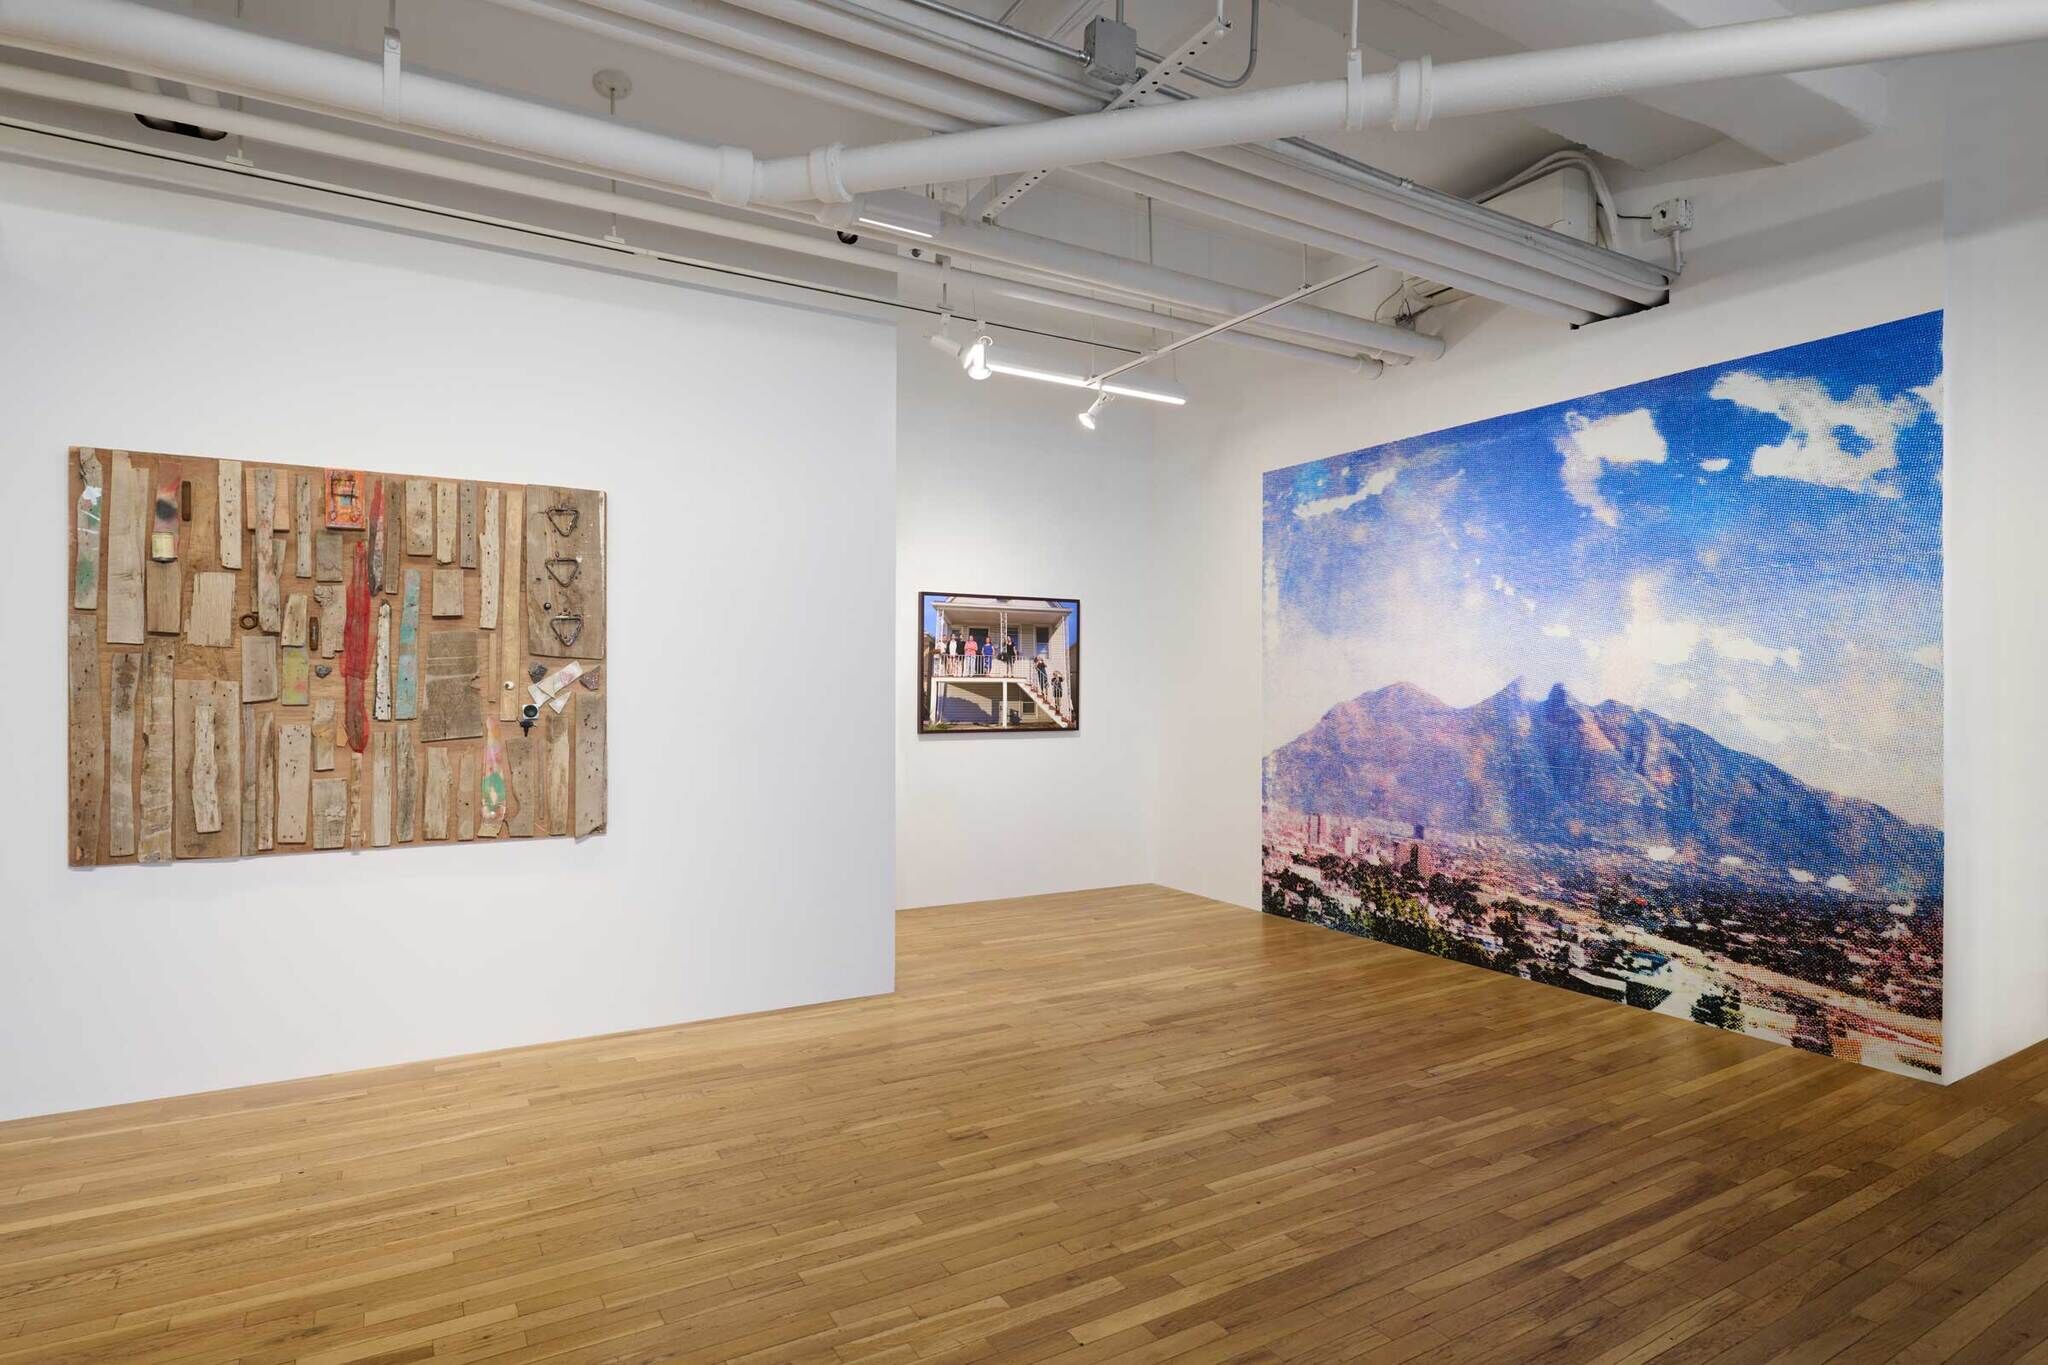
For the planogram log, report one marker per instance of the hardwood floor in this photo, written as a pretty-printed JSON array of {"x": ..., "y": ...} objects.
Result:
[{"x": 1118, "y": 1125}]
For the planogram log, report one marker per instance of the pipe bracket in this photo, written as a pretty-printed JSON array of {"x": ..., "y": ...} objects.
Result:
[
  {"x": 822, "y": 169},
  {"x": 734, "y": 183},
  {"x": 1354, "y": 92},
  {"x": 391, "y": 71},
  {"x": 1414, "y": 94}
]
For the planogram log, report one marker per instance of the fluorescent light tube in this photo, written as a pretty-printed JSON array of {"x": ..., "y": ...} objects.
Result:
[{"x": 896, "y": 227}]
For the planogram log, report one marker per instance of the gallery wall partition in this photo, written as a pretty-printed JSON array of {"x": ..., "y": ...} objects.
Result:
[{"x": 744, "y": 861}]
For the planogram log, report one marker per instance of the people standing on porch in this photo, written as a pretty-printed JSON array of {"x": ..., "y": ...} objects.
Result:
[
  {"x": 1059, "y": 684},
  {"x": 1041, "y": 672},
  {"x": 973, "y": 656}
]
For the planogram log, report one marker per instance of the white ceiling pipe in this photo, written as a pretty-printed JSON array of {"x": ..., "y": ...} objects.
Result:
[
  {"x": 1441, "y": 215},
  {"x": 959, "y": 101},
  {"x": 1138, "y": 317},
  {"x": 861, "y": 37},
  {"x": 181, "y": 47},
  {"x": 775, "y": 75},
  {"x": 320, "y": 141},
  {"x": 1232, "y": 209},
  {"x": 1080, "y": 263},
  {"x": 1519, "y": 284},
  {"x": 1419, "y": 253},
  {"x": 863, "y": 24},
  {"x": 1417, "y": 91}
]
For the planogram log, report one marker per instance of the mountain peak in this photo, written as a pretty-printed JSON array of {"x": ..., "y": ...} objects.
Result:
[
  {"x": 1402, "y": 694},
  {"x": 1558, "y": 696}
]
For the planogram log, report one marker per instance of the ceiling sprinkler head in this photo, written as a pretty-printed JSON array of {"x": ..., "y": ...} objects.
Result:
[{"x": 612, "y": 83}]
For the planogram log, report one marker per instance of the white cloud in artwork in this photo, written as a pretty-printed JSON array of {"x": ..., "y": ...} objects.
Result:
[
  {"x": 1590, "y": 444},
  {"x": 1558, "y": 630},
  {"x": 1934, "y": 395},
  {"x": 1743, "y": 650},
  {"x": 1749, "y": 718},
  {"x": 1800, "y": 875},
  {"x": 1680, "y": 688},
  {"x": 1928, "y": 656},
  {"x": 1839, "y": 883},
  {"x": 1714, "y": 466},
  {"x": 1376, "y": 482},
  {"x": 1730, "y": 860},
  {"x": 1812, "y": 451}
]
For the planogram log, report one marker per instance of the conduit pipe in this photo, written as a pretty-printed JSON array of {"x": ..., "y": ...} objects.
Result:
[
  {"x": 1416, "y": 92},
  {"x": 774, "y": 74},
  {"x": 320, "y": 141},
  {"x": 1528, "y": 278},
  {"x": 1080, "y": 263},
  {"x": 1347, "y": 232}
]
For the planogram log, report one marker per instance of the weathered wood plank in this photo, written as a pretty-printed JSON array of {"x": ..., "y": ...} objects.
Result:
[
  {"x": 465, "y": 796},
  {"x": 88, "y": 741},
  {"x": 383, "y": 661},
  {"x": 379, "y": 540},
  {"x": 435, "y": 823},
  {"x": 327, "y": 556},
  {"x": 558, "y": 786},
  {"x": 268, "y": 550},
  {"x": 494, "y": 791},
  {"x": 522, "y": 765},
  {"x": 405, "y": 700},
  {"x": 163, "y": 592},
  {"x": 227, "y": 510},
  {"x": 296, "y": 614},
  {"x": 446, "y": 530},
  {"x": 467, "y": 532},
  {"x": 207, "y": 768},
  {"x": 304, "y": 529},
  {"x": 565, "y": 573},
  {"x": 451, "y": 703},
  {"x": 406, "y": 788},
  {"x": 419, "y": 516},
  {"x": 251, "y": 765},
  {"x": 266, "y": 779},
  {"x": 511, "y": 640},
  {"x": 330, "y": 812},
  {"x": 358, "y": 800},
  {"x": 488, "y": 566},
  {"x": 126, "y": 671},
  {"x": 92, "y": 498},
  {"x": 323, "y": 734},
  {"x": 294, "y": 774},
  {"x": 447, "y": 592},
  {"x": 331, "y": 601},
  {"x": 211, "y": 618},
  {"x": 259, "y": 668},
  {"x": 590, "y": 764},
  {"x": 127, "y": 517},
  {"x": 344, "y": 500},
  {"x": 159, "y": 730},
  {"x": 380, "y": 788},
  {"x": 164, "y": 521},
  {"x": 294, "y": 675}
]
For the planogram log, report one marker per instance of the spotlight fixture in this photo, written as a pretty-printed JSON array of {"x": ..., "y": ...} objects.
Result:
[
  {"x": 975, "y": 359},
  {"x": 1087, "y": 418}
]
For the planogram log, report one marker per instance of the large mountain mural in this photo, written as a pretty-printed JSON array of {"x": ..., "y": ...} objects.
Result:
[{"x": 1554, "y": 770}]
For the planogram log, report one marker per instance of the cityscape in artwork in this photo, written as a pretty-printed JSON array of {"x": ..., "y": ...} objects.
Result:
[{"x": 1638, "y": 695}]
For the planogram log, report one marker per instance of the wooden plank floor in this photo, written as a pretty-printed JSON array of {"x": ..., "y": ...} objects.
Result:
[{"x": 1118, "y": 1125}]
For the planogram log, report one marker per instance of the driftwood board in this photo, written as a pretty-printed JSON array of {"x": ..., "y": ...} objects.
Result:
[
  {"x": 565, "y": 594},
  {"x": 208, "y": 610}
]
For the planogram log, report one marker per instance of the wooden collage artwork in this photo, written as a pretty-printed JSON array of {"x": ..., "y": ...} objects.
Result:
[{"x": 276, "y": 659}]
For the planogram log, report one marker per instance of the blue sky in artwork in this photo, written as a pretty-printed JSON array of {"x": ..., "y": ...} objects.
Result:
[{"x": 1752, "y": 547}]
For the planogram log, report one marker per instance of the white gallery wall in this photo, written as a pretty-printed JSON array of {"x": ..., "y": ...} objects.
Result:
[
  {"x": 1000, "y": 491},
  {"x": 1860, "y": 236},
  {"x": 747, "y": 865}
]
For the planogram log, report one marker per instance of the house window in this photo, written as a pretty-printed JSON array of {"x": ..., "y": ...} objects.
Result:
[{"x": 1044, "y": 634}]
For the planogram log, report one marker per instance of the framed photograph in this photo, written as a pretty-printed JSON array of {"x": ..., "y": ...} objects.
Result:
[{"x": 998, "y": 665}]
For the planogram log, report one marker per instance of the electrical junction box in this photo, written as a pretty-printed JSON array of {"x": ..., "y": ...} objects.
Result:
[
  {"x": 1561, "y": 201},
  {"x": 1112, "y": 50}
]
